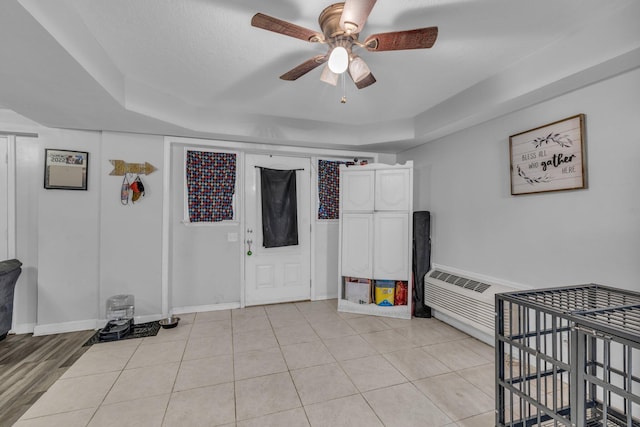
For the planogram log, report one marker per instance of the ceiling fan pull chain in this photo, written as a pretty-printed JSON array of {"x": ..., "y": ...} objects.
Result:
[{"x": 344, "y": 90}]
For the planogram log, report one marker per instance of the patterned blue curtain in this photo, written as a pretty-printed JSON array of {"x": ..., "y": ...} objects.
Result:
[{"x": 211, "y": 182}]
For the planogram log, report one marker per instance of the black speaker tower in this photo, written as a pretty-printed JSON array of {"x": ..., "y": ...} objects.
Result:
[{"x": 421, "y": 260}]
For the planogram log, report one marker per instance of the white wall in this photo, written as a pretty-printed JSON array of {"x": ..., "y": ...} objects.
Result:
[
  {"x": 68, "y": 238},
  {"x": 131, "y": 235},
  {"x": 548, "y": 239},
  {"x": 80, "y": 247},
  {"x": 205, "y": 266},
  {"x": 29, "y": 176},
  {"x": 325, "y": 268}
]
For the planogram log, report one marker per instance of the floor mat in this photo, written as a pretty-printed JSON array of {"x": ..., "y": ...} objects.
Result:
[{"x": 140, "y": 330}]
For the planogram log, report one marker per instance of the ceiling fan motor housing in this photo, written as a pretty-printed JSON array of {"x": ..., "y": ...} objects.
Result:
[{"x": 329, "y": 21}]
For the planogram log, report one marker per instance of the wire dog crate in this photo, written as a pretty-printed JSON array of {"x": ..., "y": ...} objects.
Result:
[{"x": 568, "y": 357}]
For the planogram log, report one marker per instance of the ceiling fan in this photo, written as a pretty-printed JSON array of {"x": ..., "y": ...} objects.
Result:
[{"x": 341, "y": 24}]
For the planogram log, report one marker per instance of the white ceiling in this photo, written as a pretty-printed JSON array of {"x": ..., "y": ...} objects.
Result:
[{"x": 198, "y": 68}]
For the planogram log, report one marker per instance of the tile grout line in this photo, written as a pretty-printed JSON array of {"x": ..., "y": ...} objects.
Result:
[
  {"x": 173, "y": 386},
  {"x": 233, "y": 370},
  {"x": 289, "y": 369},
  {"x": 97, "y": 408}
]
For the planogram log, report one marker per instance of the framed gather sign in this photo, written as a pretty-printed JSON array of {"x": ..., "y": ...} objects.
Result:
[
  {"x": 549, "y": 158},
  {"x": 65, "y": 170}
]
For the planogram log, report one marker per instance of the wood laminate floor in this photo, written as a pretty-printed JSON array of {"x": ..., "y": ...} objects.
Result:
[{"x": 29, "y": 365}]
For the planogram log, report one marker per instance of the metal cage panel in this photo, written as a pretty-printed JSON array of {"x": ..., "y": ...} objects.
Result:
[{"x": 568, "y": 357}]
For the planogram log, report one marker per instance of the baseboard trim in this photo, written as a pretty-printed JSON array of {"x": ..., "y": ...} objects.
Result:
[
  {"x": 60, "y": 328},
  {"x": 83, "y": 325},
  {"x": 147, "y": 318},
  {"x": 203, "y": 308},
  {"x": 468, "y": 329},
  {"x": 324, "y": 297},
  {"x": 23, "y": 328}
]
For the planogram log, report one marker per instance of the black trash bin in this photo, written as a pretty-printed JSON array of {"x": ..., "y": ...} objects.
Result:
[{"x": 9, "y": 272}]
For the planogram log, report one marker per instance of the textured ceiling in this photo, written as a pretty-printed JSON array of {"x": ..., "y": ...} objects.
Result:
[{"x": 198, "y": 68}]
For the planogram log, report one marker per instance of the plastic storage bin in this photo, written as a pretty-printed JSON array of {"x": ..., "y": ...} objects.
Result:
[{"x": 120, "y": 307}]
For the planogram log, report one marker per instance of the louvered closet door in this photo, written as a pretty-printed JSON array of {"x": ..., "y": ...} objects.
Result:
[{"x": 391, "y": 246}]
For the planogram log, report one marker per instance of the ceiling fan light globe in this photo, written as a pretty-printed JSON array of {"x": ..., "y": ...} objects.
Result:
[
  {"x": 338, "y": 60},
  {"x": 329, "y": 76},
  {"x": 358, "y": 69}
]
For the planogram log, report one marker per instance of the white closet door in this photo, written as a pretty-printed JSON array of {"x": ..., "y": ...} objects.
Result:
[
  {"x": 392, "y": 188},
  {"x": 391, "y": 246},
  {"x": 357, "y": 245},
  {"x": 356, "y": 190}
]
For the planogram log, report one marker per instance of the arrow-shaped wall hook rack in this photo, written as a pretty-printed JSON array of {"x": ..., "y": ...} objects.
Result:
[{"x": 120, "y": 167}]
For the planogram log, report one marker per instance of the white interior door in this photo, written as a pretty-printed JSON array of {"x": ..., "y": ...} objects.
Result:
[
  {"x": 4, "y": 198},
  {"x": 276, "y": 274}
]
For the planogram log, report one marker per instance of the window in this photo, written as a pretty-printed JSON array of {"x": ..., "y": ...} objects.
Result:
[{"x": 210, "y": 185}]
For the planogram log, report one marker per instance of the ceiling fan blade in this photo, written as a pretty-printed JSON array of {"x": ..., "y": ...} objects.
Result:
[
  {"x": 304, "y": 68},
  {"x": 421, "y": 38},
  {"x": 355, "y": 14},
  {"x": 276, "y": 25}
]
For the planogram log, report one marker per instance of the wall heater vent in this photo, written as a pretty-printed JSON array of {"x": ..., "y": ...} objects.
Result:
[
  {"x": 474, "y": 285},
  {"x": 467, "y": 300}
]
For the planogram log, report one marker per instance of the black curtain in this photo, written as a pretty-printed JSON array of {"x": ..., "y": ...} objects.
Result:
[{"x": 279, "y": 207}]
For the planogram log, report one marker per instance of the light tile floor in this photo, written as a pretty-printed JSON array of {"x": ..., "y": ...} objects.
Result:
[{"x": 299, "y": 364}]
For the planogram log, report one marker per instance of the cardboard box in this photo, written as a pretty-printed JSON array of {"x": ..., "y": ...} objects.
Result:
[{"x": 357, "y": 290}]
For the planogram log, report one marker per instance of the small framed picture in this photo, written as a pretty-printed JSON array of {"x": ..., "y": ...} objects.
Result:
[
  {"x": 549, "y": 158},
  {"x": 65, "y": 169}
]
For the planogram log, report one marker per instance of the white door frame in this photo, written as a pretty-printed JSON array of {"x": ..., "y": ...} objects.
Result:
[
  {"x": 11, "y": 196},
  {"x": 10, "y": 162}
]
